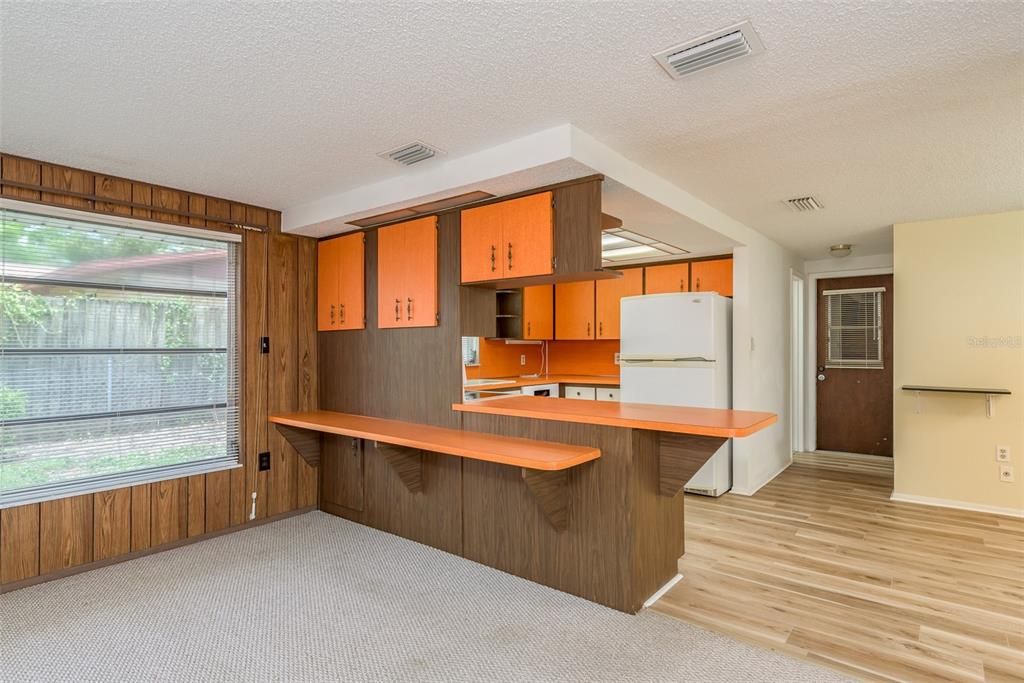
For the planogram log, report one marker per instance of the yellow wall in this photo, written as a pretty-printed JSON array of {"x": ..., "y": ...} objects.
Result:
[{"x": 959, "y": 321}]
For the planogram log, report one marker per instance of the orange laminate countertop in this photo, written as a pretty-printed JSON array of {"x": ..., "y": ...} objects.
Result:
[
  {"x": 511, "y": 382},
  {"x": 505, "y": 450},
  {"x": 676, "y": 419}
]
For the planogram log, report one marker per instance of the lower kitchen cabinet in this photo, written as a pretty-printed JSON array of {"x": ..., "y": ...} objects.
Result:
[
  {"x": 584, "y": 393},
  {"x": 607, "y": 393},
  {"x": 341, "y": 472}
]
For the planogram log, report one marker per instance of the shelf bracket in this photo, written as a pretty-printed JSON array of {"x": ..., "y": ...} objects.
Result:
[
  {"x": 551, "y": 491},
  {"x": 406, "y": 462},
  {"x": 989, "y": 405},
  {"x": 305, "y": 441},
  {"x": 679, "y": 458}
]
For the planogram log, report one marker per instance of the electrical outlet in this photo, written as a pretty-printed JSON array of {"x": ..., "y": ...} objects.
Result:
[
  {"x": 522, "y": 359},
  {"x": 1006, "y": 473},
  {"x": 1002, "y": 454},
  {"x": 264, "y": 460},
  {"x": 616, "y": 358}
]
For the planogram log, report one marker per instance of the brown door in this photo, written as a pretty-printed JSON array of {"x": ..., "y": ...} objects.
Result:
[{"x": 854, "y": 365}]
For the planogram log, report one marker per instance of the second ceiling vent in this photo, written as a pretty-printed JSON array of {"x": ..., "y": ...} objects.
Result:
[
  {"x": 713, "y": 49},
  {"x": 411, "y": 153}
]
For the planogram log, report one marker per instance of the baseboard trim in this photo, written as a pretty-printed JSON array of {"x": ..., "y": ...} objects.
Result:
[
  {"x": 134, "y": 555},
  {"x": 955, "y": 504},
  {"x": 750, "y": 492},
  {"x": 661, "y": 591}
]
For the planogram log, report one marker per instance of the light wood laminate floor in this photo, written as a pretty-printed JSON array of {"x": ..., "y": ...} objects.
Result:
[{"x": 822, "y": 565}]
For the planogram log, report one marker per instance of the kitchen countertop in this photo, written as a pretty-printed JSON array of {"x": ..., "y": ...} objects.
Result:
[
  {"x": 512, "y": 382},
  {"x": 676, "y": 419}
]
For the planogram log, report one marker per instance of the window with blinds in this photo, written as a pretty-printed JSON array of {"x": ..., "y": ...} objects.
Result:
[
  {"x": 854, "y": 327},
  {"x": 118, "y": 354}
]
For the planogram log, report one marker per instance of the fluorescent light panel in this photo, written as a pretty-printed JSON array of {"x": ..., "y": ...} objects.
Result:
[{"x": 620, "y": 245}]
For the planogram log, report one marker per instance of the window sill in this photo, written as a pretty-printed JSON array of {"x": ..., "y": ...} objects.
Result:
[{"x": 108, "y": 483}]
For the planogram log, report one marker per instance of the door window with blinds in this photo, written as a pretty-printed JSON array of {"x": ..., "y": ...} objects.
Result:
[
  {"x": 118, "y": 353},
  {"x": 854, "y": 327}
]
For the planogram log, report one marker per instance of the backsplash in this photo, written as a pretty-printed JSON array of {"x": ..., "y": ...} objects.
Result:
[{"x": 498, "y": 359}]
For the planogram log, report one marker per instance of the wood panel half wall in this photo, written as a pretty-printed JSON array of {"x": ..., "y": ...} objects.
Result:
[{"x": 56, "y": 537}]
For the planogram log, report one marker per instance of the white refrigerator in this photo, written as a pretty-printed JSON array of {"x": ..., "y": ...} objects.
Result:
[{"x": 677, "y": 351}]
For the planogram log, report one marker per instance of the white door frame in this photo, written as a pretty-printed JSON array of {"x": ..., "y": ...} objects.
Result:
[
  {"x": 811, "y": 357},
  {"x": 797, "y": 349}
]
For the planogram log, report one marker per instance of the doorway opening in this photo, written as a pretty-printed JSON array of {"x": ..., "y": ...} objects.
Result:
[{"x": 853, "y": 365}]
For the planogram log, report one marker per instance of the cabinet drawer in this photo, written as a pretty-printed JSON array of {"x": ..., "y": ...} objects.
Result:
[
  {"x": 584, "y": 393},
  {"x": 607, "y": 393}
]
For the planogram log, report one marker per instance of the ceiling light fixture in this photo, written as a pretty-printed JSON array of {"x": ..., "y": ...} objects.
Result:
[
  {"x": 619, "y": 245},
  {"x": 840, "y": 250}
]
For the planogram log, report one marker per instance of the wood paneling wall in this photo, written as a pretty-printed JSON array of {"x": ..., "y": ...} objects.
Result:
[{"x": 278, "y": 285}]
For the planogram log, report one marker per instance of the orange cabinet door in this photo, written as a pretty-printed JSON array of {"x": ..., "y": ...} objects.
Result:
[
  {"x": 327, "y": 283},
  {"x": 480, "y": 243},
  {"x": 674, "y": 277},
  {"x": 539, "y": 312},
  {"x": 574, "y": 310},
  {"x": 609, "y": 294},
  {"x": 713, "y": 276},
  {"x": 390, "y": 276},
  {"x": 527, "y": 236},
  {"x": 351, "y": 313},
  {"x": 419, "y": 298}
]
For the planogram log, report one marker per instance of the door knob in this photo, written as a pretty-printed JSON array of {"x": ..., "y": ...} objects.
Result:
[{"x": 821, "y": 377}]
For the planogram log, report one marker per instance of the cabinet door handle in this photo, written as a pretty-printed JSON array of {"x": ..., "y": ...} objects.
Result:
[
  {"x": 342, "y": 314},
  {"x": 510, "y": 256},
  {"x": 682, "y": 287},
  {"x": 398, "y": 310},
  {"x": 529, "y": 325},
  {"x": 494, "y": 258},
  {"x": 332, "y": 314},
  {"x": 588, "y": 328},
  {"x": 698, "y": 284},
  {"x": 600, "y": 329},
  {"x": 408, "y": 309}
]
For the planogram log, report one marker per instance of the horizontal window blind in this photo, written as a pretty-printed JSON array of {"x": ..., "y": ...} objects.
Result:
[
  {"x": 118, "y": 354},
  {"x": 471, "y": 350},
  {"x": 854, "y": 320}
]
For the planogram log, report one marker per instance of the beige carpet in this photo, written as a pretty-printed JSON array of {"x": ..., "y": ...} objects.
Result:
[{"x": 316, "y": 598}]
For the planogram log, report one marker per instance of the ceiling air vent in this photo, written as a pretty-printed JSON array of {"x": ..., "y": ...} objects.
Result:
[
  {"x": 804, "y": 204},
  {"x": 412, "y": 153},
  {"x": 710, "y": 50}
]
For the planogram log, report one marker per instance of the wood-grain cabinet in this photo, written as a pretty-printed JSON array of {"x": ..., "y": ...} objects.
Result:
[
  {"x": 407, "y": 274},
  {"x": 712, "y": 276},
  {"x": 539, "y": 312},
  {"x": 666, "y": 279},
  {"x": 609, "y": 298},
  {"x": 591, "y": 309},
  {"x": 510, "y": 239},
  {"x": 575, "y": 310},
  {"x": 340, "y": 290}
]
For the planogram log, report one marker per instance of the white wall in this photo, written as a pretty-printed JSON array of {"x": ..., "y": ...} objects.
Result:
[{"x": 761, "y": 358}]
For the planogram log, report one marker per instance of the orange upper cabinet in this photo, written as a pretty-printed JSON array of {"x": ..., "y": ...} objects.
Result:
[
  {"x": 713, "y": 276},
  {"x": 674, "y": 277},
  {"x": 538, "y": 312},
  {"x": 407, "y": 274},
  {"x": 339, "y": 285},
  {"x": 574, "y": 310},
  {"x": 609, "y": 294},
  {"x": 509, "y": 239}
]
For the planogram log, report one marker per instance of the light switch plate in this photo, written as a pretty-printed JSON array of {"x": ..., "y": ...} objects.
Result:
[
  {"x": 1006, "y": 473},
  {"x": 1002, "y": 454}
]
